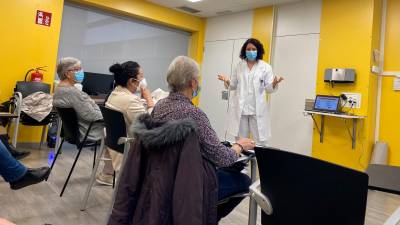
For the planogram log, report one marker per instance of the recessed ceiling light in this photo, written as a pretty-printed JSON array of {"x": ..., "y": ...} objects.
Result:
[{"x": 194, "y": 0}]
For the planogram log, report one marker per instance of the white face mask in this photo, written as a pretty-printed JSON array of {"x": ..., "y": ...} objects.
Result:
[{"x": 143, "y": 83}]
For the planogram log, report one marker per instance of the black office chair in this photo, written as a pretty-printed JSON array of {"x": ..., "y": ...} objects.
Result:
[
  {"x": 27, "y": 88},
  {"x": 115, "y": 129},
  {"x": 247, "y": 159},
  {"x": 70, "y": 133},
  {"x": 297, "y": 189},
  {"x": 22, "y": 90}
]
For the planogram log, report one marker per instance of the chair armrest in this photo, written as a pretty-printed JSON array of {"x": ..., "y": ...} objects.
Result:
[
  {"x": 18, "y": 102},
  {"x": 98, "y": 121},
  {"x": 94, "y": 122},
  {"x": 394, "y": 219},
  {"x": 260, "y": 198},
  {"x": 123, "y": 140}
]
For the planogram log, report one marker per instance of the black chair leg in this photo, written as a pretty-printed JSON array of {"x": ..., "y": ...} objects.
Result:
[
  {"x": 72, "y": 169},
  {"x": 55, "y": 157},
  {"x": 94, "y": 155},
  {"x": 114, "y": 180}
]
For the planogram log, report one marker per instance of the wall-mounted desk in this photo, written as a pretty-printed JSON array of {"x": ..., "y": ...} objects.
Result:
[{"x": 321, "y": 128}]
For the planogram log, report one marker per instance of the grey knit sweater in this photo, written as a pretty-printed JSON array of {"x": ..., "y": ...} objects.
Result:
[{"x": 85, "y": 108}]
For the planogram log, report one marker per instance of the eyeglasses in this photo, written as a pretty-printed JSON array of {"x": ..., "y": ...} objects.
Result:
[{"x": 76, "y": 69}]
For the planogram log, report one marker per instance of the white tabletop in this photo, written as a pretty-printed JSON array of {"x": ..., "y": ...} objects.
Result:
[{"x": 346, "y": 116}]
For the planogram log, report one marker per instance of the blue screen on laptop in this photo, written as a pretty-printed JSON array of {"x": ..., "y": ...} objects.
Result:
[{"x": 326, "y": 103}]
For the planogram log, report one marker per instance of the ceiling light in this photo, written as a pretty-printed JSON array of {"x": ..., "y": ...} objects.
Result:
[{"x": 194, "y": 0}]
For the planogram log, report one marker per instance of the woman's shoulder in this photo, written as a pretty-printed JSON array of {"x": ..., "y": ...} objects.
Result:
[
  {"x": 123, "y": 97},
  {"x": 66, "y": 90},
  {"x": 241, "y": 62},
  {"x": 264, "y": 64}
]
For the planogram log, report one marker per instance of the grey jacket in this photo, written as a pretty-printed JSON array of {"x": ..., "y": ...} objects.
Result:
[
  {"x": 85, "y": 108},
  {"x": 166, "y": 181},
  {"x": 37, "y": 105}
]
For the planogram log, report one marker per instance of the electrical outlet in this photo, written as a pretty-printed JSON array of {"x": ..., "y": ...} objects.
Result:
[{"x": 353, "y": 99}]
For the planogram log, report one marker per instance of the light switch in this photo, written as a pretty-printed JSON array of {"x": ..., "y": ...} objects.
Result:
[
  {"x": 225, "y": 95},
  {"x": 396, "y": 83}
]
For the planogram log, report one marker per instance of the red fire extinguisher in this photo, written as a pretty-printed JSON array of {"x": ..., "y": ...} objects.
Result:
[{"x": 36, "y": 75}]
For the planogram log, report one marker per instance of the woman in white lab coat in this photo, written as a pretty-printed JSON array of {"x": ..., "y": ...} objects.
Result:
[{"x": 249, "y": 83}]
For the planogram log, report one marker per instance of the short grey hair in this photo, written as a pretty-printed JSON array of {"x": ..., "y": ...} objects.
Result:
[
  {"x": 65, "y": 64},
  {"x": 180, "y": 72}
]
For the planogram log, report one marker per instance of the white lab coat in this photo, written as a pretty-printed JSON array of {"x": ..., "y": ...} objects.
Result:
[{"x": 262, "y": 78}]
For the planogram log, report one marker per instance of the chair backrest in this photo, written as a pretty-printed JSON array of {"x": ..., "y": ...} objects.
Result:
[
  {"x": 305, "y": 190},
  {"x": 27, "y": 88},
  {"x": 70, "y": 126},
  {"x": 115, "y": 128}
]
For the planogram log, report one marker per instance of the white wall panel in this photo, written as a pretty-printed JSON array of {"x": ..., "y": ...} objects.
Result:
[
  {"x": 299, "y": 18},
  {"x": 99, "y": 39},
  {"x": 295, "y": 57},
  {"x": 225, "y": 36},
  {"x": 234, "y": 26},
  {"x": 217, "y": 59}
]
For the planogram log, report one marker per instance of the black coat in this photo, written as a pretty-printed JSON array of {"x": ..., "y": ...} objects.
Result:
[{"x": 166, "y": 181}]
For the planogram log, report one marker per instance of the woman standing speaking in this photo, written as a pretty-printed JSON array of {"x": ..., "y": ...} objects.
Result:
[{"x": 251, "y": 80}]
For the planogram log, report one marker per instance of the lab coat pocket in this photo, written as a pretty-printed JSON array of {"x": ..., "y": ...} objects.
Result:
[{"x": 261, "y": 87}]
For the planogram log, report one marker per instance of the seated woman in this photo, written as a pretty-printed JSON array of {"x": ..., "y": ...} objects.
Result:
[
  {"x": 66, "y": 95},
  {"x": 183, "y": 81},
  {"x": 128, "y": 77}
]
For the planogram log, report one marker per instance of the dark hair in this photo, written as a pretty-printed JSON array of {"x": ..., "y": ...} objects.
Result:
[
  {"x": 255, "y": 42},
  {"x": 123, "y": 72}
]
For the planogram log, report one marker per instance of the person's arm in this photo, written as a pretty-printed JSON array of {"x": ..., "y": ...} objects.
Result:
[
  {"x": 5, "y": 222},
  {"x": 270, "y": 81},
  {"x": 230, "y": 83},
  {"x": 214, "y": 150},
  {"x": 135, "y": 109},
  {"x": 83, "y": 106},
  {"x": 149, "y": 100},
  {"x": 234, "y": 79}
]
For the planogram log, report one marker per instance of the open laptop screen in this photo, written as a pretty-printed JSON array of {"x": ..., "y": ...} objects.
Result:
[{"x": 326, "y": 103}]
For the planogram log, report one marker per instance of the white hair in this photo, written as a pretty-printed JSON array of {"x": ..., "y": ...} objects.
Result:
[
  {"x": 180, "y": 72},
  {"x": 66, "y": 64}
]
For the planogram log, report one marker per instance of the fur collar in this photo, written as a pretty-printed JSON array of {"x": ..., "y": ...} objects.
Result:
[{"x": 154, "y": 134}]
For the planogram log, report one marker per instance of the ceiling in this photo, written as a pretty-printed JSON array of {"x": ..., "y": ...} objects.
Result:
[{"x": 209, "y": 8}]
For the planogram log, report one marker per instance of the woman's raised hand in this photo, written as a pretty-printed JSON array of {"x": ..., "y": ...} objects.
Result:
[{"x": 223, "y": 78}]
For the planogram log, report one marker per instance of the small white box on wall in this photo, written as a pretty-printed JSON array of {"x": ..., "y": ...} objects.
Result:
[{"x": 396, "y": 83}]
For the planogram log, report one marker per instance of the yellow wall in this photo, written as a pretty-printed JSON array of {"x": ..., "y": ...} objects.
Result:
[
  {"x": 25, "y": 45},
  {"x": 263, "y": 19},
  {"x": 348, "y": 33},
  {"x": 390, "y": 105}
]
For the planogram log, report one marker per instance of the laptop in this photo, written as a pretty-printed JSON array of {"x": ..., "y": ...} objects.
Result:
[
  {"x": 327, "y": 103},
  {"x": 97, "y": 84}
]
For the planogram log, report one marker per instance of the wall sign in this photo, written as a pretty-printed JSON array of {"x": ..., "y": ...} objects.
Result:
[{"x": 43, "y": 18}]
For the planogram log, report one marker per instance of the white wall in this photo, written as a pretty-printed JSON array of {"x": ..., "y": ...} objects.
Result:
[
  {"x": 295, "y": 57},
  {"x": 234, "y": 26},
  {"x": 225, "y": 36},
  {"x": 100, "y": 39},
  {"x": 299, "y": 18}
]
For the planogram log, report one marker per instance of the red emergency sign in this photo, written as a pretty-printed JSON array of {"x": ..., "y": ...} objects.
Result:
[{"x": 43, "y": 18}]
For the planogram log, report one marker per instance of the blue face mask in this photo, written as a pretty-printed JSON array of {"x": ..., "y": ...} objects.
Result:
[
  {"x": 78, "y": 76},
  {"x": 251, "y": 55},
  {"x": 196, "y": 92}
]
